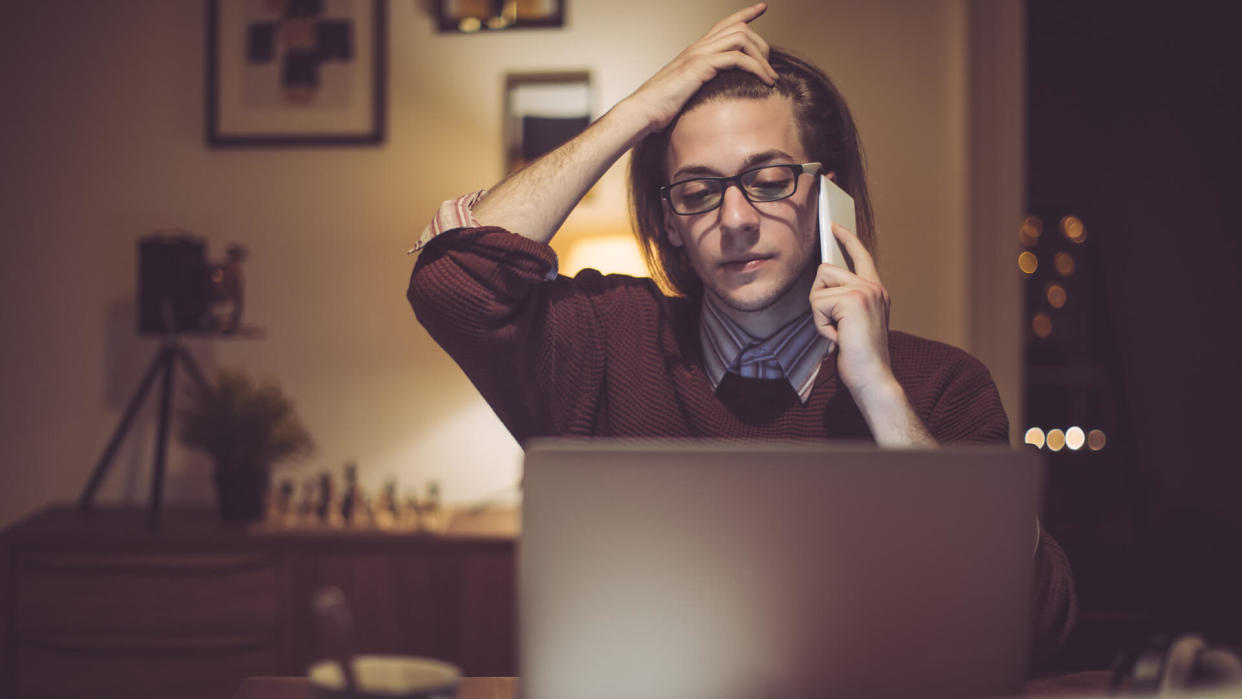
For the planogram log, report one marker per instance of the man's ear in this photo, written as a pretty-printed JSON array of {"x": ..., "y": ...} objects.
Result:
[{"x": 670, "y": 227}]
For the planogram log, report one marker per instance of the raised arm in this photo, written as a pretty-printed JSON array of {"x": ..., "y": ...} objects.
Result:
[{"x": 534, "y": 201}]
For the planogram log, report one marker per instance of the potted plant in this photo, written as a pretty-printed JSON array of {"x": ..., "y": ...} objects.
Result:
[{"x": 246, "y": 429}]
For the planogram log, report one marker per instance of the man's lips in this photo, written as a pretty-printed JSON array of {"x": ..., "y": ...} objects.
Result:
[{"x": 744, "y": 264}]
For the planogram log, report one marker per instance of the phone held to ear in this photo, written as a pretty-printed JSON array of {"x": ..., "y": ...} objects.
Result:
[{"x": 835, "y": 206}]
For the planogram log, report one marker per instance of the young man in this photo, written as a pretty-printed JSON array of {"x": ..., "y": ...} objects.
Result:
[{"x": 760, "y": 341}]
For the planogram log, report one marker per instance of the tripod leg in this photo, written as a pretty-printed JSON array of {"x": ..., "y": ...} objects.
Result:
[
  {"x": 161, "y": 442},
  {"x": 105, "y": 460},
  {"x": 191, "y": 367}
]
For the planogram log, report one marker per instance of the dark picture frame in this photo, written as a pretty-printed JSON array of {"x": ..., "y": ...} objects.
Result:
[
  {"x": 470, "y": 16},
  {"x": 312, "y": 73}
]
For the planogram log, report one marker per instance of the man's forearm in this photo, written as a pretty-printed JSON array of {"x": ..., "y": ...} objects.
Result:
[
  {"x": 891, "y": 418},
  {"x": 534, "y": 201}
]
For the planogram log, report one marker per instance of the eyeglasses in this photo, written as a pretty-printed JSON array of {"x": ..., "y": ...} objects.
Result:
[{"x": 767, "y": 183}]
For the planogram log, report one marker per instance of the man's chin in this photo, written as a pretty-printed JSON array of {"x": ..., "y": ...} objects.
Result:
[{"x": 746, "y": 300}]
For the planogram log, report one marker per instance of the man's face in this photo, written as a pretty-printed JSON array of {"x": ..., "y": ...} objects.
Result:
[{"x": 757, "y": 259}]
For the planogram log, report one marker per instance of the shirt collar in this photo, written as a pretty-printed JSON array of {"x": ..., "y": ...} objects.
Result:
[{"x": 797, "y": 348}]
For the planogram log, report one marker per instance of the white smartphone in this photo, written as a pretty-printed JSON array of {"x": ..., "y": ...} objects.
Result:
[{"x": 834, "y": 206}]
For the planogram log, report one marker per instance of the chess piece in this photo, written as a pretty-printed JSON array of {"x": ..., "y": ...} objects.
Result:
[
  {"x": 349, "y": 498},
  {"x": 323, "y": 508}
]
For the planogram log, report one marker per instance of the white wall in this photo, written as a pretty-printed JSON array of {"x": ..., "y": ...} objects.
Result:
[{"x": 102, "y": 142}]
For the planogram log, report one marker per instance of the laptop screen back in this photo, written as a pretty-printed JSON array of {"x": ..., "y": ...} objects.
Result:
[{"x": 709, "y": 569}]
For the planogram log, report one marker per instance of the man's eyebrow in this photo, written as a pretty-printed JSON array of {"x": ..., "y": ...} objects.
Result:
[{"x": 753, "y": 160}]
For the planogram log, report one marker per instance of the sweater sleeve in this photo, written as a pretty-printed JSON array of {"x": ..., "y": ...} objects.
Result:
[
  {"x": 959, "y": 403},
  {"x": 529, "y": 344},
  {"x": 1055, "y": 604}
]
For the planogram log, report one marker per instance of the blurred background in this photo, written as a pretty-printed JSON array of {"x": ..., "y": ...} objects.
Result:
[{"x": 985, "y": 125}]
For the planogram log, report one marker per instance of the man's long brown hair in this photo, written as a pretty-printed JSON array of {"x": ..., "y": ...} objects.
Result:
[{"x": 828, "y": 137}]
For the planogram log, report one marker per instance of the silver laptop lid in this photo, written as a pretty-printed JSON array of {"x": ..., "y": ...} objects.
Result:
[{"x": 742, "y": 569}]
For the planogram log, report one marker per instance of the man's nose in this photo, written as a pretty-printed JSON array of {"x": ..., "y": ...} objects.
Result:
[{"x": 737, "y": 213}]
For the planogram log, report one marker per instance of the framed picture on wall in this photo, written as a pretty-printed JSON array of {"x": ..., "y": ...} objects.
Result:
[
  {"x": 470, "y": 16},
  {"x": 543, "y": 111},
  {"x": 290, "y": 72}
]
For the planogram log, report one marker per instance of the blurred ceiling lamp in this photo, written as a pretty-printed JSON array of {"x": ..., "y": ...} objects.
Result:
[
  {"x": 470, "y": 16},
  {"x": 610, "y": 253}
]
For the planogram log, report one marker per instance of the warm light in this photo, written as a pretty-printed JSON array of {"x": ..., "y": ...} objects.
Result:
[
  {"x": 1041, "y": 324},
  {"x": 1030, "y": 230},
  {"x": 1075, "y": 438},
  {"x": 1096, "y": 440},
  {"x": 1064, "y": 264},
  {"x": 1074, "y": 229},
  {"x": 1028, "y": 263},
  {"x": 1056, "y": 440},
  {"x": 470, "y": 24},
  {"x": 1035, "y": 437},
  {"x": 609, "y": 253},
  {"x": 1056, "y": 295}
]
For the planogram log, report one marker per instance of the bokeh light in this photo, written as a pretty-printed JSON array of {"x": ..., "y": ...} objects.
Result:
[
  {"x": 1055, "y": 293},
  {"x": 1063, "y": 262},
  {"x": 1027, "y": 262},
  {"x": 1096, "y": 440},
  {"x": 1056, "y": 440},
  {"x": 1041, "y": 325},
  {"x": 1030, "y": 230},
  {"x": 1074, "y": 229},
  {"x": 1075, "y": 438},
  {"x": 1035, "y": 437}
]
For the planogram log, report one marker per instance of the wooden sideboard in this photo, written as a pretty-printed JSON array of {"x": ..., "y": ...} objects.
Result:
[{"x": 97, "y": 604}]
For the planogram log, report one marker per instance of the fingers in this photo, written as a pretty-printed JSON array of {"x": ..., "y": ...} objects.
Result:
[
  {"x": 837, "y": 292},
  {"x": 743, "y": 16},
  {"x": 742, "y": 49},
  {"x": 864, "y": 264}
]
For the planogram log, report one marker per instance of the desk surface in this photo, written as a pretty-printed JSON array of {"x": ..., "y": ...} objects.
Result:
[
  {"x": 299, "y": 688},
  {"x": 1078, "y": 684}
]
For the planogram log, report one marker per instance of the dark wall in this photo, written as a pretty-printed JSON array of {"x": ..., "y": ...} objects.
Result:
[{"x": 1134, "y": 124}]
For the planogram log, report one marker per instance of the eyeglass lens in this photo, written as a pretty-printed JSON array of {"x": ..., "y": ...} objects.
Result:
[{"x": 761, "y": 184}]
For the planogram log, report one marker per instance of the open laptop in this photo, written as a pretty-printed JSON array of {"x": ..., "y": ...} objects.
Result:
[{"x": 741, "y": 569}]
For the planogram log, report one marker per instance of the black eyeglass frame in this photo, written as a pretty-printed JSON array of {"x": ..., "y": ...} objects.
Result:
[{"x": 798, "y": 170}]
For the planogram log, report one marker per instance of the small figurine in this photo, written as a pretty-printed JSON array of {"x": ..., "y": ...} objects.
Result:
[
  {"x": 349, "y": 498},
  {"x": 306, "y": 502},
  {"x": 386, "y": 510},
  {"x": 324, "y": 507},
  {"x": 226, "y": 291}
]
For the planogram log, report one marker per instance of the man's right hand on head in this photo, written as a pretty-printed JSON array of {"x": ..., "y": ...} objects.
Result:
[
  {"x": 729, "y": 44},
  {"x": 536, "y": 200}
]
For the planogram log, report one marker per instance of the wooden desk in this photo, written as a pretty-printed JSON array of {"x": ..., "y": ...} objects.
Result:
[
  {"x": 299, "y": 688},
  {"x": 95, "y": 604},
  {"x": 1078, "y": 684}
]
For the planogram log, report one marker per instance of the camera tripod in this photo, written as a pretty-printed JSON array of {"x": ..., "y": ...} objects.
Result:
[{"x": 165, "y": 362}]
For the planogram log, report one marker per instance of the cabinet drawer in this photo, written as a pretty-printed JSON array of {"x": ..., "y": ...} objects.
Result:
[
  {"x": 145, "y": 667},
  {"x": 145, "y": 592}
]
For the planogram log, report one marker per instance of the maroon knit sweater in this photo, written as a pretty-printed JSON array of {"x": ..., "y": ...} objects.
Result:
[{"x": 611, "y": 356}]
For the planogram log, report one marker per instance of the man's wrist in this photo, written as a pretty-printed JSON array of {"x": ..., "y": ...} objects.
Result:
[
  {"x": 630, "y": 116},
  {"x": 890, "y": 416}
]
